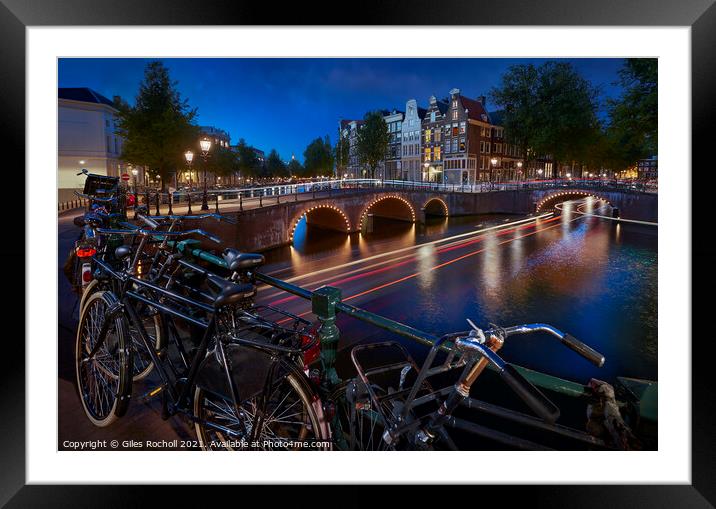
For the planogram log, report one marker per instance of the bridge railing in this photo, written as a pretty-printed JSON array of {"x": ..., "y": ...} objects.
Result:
[{"x": 236, "y": 198}]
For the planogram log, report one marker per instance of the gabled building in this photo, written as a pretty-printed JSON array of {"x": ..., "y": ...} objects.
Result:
[
  {"x": 432, "y": 141},
  {"x": 391, "y": 168},
  {"x": 410, "y": 144},
  {"x": 349, "y": 132}
]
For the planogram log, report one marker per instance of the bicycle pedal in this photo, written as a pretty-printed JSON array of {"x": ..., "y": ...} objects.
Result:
[{"x": 150, "y": 394}]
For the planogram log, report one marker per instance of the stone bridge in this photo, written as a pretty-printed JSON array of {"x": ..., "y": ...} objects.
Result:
[{"x": 352, "y": 210}]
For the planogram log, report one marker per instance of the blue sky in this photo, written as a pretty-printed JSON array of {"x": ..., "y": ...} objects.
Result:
[{"x": 285, "y": 103}]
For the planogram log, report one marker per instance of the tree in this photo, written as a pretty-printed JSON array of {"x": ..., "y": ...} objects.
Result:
[
  {"x": 634, "y": 116},
  {"x": 549, "y": 110},
  {"x": 275, "y": 167},
  {"x": 566, "y": 106},
  {"x": 516, "y": 95},
  {"x": 342, "y": 154},
  {"x": 372, "y": 141},
  {"x": 318, "y": 158},
  {"x": 295, "y": 168},
  {"x": 249, "y": 164},
  {"x": 222, "y": 161},
  {"x": 159, "y": 128}
]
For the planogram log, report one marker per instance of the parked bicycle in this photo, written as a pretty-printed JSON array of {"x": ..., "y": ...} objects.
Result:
[{"x": 240, "y": 383}]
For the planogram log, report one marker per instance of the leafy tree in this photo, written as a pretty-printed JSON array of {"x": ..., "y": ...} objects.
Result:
[
  {"x": 549, "y": 110},
  {"x": 159, "y": 128},
  {"x": 295, "y": 168},
  {"x": 516, "y": 95},
  {"x": 634, "y": 116},
  {"x": 318, "y": 158},
  {"x": 566, "y": 106},
  {"x": 275, "y": 167},
  {"x": 372, "y": 142},
  {"x": 222, "y": 161},
  {"x": 249, "y": 164}
]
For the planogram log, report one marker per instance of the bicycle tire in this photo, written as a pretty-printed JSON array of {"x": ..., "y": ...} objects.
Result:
[
  {"x": 314, "y": 429},
  {"x": 104, "y": 387}
]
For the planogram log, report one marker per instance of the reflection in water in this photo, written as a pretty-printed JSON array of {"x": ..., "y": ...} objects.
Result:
[{"x": 592, "y": 277}]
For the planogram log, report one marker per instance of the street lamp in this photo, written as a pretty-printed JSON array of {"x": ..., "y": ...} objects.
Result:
[
  {"x": 189, "y": 156},
  {"x": 205, "y": 144},
  {"x": 519, "y": 165},
  {"x": 493, "y": 163},
  {"x": 569, "y": 175}
]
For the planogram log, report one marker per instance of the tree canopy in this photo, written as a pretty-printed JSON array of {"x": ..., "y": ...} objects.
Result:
[
  {"x": 372, "y": 142},
  {"x": 275, "y": 167},
  {"x": 159, "y": 128},
  {"x": 318, "y": 158},
  {"x": 341, "y": 154},
  {"x": 248, "y": 162}
]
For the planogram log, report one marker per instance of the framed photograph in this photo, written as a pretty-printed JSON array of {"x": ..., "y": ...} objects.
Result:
[{"x": 452, "y": 246}]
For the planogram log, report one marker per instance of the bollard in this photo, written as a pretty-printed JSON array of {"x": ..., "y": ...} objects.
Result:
[
  {"x": 157, "y": 202},
  {"x": 261, "y": 200},
  {"x": 146, "y": 199},
  {"x": 278, "y": 198},
  {"x": 323, "y": 305},
  {"x": 217, "y": 203},
  {"x": 295, "y": 193},
  {"x": 171, "y": 199},
  {"x": 241, "y": 202},
  {"x": 188, "y": 195}
]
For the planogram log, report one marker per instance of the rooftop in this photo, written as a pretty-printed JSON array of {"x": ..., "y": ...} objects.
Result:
[{"x": 83, "y": 94}]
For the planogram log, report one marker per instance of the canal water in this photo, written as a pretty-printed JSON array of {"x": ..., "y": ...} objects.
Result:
[{"x": 591, "y": 277}]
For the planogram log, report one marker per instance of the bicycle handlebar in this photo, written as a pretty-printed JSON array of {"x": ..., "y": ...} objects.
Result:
[
  {"x": 158, "y": 233},
  {"x": 568, "y": 340},
  {"x": 148, "y": 221},
  {"x": 527, "y": 392},
  {"x": 218, "y": 217}
]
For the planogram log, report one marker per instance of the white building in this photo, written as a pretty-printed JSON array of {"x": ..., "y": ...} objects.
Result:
[
  {"x": 86, "y": 122},
  {"x": 410, "y": 151}
]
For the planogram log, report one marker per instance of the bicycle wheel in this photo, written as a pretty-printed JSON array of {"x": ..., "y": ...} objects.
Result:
[
  {"x": 293, "y": 413},
  {"x": 104, "y": 379},
  {"x": 142, "y": 363},
  {"x": 362, "y": 425}
]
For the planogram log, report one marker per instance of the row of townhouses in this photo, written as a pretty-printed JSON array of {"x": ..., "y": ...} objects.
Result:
[{"x": 454, "y": 140}]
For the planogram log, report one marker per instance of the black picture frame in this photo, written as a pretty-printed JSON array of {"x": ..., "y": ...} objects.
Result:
[{"x": 700, "y": 15}]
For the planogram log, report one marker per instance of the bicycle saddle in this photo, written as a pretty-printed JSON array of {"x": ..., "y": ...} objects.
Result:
[
  {"x": 236, "y": 260},
  {"x": 229, "y": 293}
]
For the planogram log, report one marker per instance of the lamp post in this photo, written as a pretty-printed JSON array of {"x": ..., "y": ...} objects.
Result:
[
  {"x": 519, "y": 170},
  {"x": 493, "y": 163},
  {"x": 135, "y": 172},
  {"x": 205, "y": 145}
]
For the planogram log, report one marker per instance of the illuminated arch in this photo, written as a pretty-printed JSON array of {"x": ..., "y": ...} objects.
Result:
[
  {"x": 568, "y": 194},
  {"x": 442, "y": 204},
  {"x": 383, "y": 198},
  {"x": 316, "y": 207}
]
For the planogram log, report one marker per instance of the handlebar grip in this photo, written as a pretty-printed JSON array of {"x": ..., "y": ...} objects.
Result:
[
  {"x": 537, "y": 401},
  {"x": 584, "y": 350},
  {"x": 213, "y": 238}
]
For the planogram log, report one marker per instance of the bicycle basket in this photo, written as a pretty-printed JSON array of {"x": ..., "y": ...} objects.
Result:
[{"x": 100, "y": 185}]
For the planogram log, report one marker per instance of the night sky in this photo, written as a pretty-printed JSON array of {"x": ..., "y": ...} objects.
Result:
[{"x": 285, "y": 103}]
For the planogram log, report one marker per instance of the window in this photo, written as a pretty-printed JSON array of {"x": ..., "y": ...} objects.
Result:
[
  {"x": 447, "y": 130},
  {"x": 487, "y": 147},
  {"x": 437, "y": 153},
  {"x": 454, "y": 145},
  {"x": 482, "y": 131},
  {"x": 462, "y": 127},
  {"x": 427, "y": 154},
  {"x": 116, "y": 146},
  {"x": 447, "y": 147},
  {"x": 438, "y": 135},
  {"x": 482, "y": 147},
  {"x": 462, "y": 144},
  {"x": 454, "y": 114},
  {"x": 427, "y": 135},
  {"x": 499, "y": 148},
  {"x": 454, "y": 103},
  {"x": 432, "y": 116},
  {"x": 454, "y": 130},
  {"x": 109, "y": 147}
]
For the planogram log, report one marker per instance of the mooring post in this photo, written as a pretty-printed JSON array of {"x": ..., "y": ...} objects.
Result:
[{"x": 323, "y": 305}]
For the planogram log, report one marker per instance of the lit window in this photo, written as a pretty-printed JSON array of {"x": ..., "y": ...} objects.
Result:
[{"x": 454, "y": 114}]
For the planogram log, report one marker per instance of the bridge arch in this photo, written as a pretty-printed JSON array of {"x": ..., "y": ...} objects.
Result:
[
  {"x": 392, "y": 206},
  {"x": 323, "y": 215},
  {"x": 436, "y": 207},
  {"x": 550, "y": 200}
]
